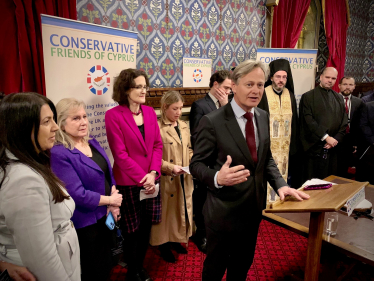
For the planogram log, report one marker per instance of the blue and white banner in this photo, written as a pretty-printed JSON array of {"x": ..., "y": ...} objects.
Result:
[
  {"x": 81, "y": 60},
  {"x": 303, "y": 64}
]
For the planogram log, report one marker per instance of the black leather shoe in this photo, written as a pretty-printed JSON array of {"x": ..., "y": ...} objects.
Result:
[
  {"x": 144, "y": 275},
  {"x": 201, "y": 244},
  {"x": 166, "y": 253},
  {"x": 179, "y": 248}
]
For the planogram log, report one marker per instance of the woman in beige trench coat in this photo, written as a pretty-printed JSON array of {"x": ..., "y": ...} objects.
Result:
[{"x": 176, "y": 185}]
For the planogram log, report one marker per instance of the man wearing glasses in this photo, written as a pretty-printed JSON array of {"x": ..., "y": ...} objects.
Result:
[{"x": 279, "y": 101}]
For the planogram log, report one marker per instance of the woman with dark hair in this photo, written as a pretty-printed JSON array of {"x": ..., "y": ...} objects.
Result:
[
  {"x": 135, "y": 141},
  {"x": 35, "y": 209},
  {"x": 80, "y": 162}
]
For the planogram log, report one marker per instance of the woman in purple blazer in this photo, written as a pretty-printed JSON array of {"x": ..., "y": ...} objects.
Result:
[
  {"x": 134, "y": 138},
  {"x": 85, "y": 169}
]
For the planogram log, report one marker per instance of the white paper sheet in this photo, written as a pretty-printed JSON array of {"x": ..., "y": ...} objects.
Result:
[
  {"x": 186, "y": 169},
  {"x": 145, "y": 196}
]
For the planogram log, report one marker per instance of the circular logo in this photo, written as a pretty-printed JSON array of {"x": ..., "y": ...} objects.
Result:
[
  {"x": 98, "y": 80},
  {"x": 197, "y": 75}
]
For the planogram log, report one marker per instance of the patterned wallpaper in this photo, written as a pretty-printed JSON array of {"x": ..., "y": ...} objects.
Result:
[
  {"x": 356, "y": 39},
  {"x": 369, "y": 48},
  {"x": 227, "y": 31}
]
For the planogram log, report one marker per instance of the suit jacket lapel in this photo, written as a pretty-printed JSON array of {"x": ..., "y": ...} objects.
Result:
[
  {"x": 261, "y": 133},
  {"x": 96, "y": 145},
  {"x": 147, "y": 128},
  {"x": 171, "y": 131},
  {"x": 131, "y": 122},
  {"x": 86, "y": 160},
  {"x": 210, "y": 102},
  {"x": 233, "y": 127}
]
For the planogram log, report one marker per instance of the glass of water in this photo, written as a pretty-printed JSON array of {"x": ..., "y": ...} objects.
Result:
[{"x": 331, "y": 223}]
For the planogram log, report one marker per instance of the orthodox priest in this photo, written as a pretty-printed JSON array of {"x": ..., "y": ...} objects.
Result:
[
  {"x": 323, "y": 123},
  {"x": 279, "y": 101}
]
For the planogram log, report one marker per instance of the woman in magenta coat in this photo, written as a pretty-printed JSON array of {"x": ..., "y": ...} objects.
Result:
[{"x": 134, "y": 138}]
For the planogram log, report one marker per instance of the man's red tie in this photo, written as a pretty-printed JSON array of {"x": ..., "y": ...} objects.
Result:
[
  {"x": 250, "y": 135},
  {"x": 346, "y": 111}
]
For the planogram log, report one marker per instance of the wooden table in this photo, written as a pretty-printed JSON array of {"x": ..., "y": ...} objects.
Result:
[{"x": 321, "y": 201}]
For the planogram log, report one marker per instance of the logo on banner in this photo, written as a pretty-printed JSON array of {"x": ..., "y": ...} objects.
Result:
[
  {"x": 98, "y": 80},
  {"x": 197, "y": 75}
]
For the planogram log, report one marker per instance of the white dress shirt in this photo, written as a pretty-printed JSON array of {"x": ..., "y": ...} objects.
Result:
[
  {"x": 215, "y": 100},
  {"x": 242, "y": 121}
]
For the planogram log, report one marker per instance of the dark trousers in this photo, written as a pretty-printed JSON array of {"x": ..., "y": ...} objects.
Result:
[
  {"x": 365, "y": 165},
  {"x": 136, "y": 243},
  {"x": 345, "y": 158},
  {"x": 198, "y": 200},
  {"x": 320, "y": 163},
  {"x": 95, "y": 243},
  {"x": 233, "y": 251}
]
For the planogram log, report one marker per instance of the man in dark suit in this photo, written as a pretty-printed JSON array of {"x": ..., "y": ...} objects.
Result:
[
  {"x": 220, "y": 88},
  {"x": 348, "y": 146},
  {"x": 368, "y": 96},
  {"x": 236, "y": 195},
  {"x": 365, "y": 165}
]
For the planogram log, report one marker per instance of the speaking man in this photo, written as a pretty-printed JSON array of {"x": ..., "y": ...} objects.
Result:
[
  {"x": 220, "y": 88},
  {"x": 232, "y": 157},
  {"x": 353, "y": 107},
  {"x": 279, "y": 101},
  {"x": 323, "y": 122}
]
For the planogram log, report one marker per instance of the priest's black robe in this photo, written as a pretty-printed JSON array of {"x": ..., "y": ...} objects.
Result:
[
  {"x": 294, "y": 168},
  {"x": 321, "y": 112}
]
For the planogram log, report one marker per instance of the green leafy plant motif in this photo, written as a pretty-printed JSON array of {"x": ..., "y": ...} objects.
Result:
[
  {"x": 156, "y": 48},
  {"x": 177, "y": 50},
  {"x": 248, "y": 7},
  {"x": 204, "y": 33},
  {"x": 241, "y": 22},
  {"x": 235, "y": 5},
  {"x": 213, "y": 16},
  {"x": 196, "y": 50},
  {"x": 155, "y": 6},
  {"x": 220, "y": 36},
  {"x": 167, "y": 30},
  {"x": 234, "y": 38},
  {"x": 212, "y": 52},
  {"x": 157, "y": 84},
  {"x": 167, "y": 70},
  {"x": 186, "y": 31},
  {"x": 220, "y": 66},
  {"x": 196, "y": 13},
  {"x": 105, "y": 4},
  {"x": 132, "y": 5},
  {"x": 89, "y": 14},
  {"x": 119, "y": 17},
  {"x": 227, "y": 54},
  {"x": 247, "y": 39},
  {"x": 240, "y": 55},
  {"x": 147, "y": 67},
  {"x": 145, "y": 26},
  {"x": 227, "y": 19},
  {"x": 176, "y": 10}
]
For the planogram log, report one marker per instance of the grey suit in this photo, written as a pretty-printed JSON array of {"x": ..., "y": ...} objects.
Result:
[{"x": 34, "y": 231}]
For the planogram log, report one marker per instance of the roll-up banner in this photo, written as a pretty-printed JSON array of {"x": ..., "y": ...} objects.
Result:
[
  {"x": 81, "y": 61},
  {"x": 196, "y": 72},
  {"x": 303, "y": 64}
]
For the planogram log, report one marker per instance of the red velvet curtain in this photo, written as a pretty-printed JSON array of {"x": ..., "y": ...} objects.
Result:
[
  {"x": 288, "y": 20},
  {"x": 336, "y": 25},
  {"x": 21, "y": 50}
]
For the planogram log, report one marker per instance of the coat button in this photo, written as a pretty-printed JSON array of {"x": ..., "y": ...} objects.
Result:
[
  {"x": 171, "y": 143},
  {"x": 171, "y": 179},
  {"x": 171, "y": 160},
  {"x": 163, "y": 174},
  {"x": 172, "y": 195}
]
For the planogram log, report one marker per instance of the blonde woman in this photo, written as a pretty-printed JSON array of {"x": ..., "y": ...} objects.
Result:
[
  {"x": 81, "y": 163},
  {"x": 176, "y": 186}
]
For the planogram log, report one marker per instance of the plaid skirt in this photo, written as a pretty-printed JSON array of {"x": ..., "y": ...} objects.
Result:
[{"x": 131, "y": 208}]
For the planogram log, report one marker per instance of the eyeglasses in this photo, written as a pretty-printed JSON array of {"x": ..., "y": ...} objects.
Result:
[{"x": 140, "y": 88}]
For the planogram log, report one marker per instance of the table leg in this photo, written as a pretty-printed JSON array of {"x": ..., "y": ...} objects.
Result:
[{"x": 314, "y": 246}]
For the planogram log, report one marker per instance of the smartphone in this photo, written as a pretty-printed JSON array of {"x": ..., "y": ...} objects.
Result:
[
  {"x": 110, "y": 222},
  {"x": 318, "y": 186}
]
